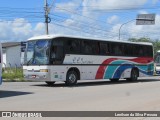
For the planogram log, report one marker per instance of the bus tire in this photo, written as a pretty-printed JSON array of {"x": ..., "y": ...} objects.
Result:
[
  {"x": 134, "y": 75},
  {"x": 50, "y": 83},
  {"x": 114, "y": 80},
  {"x": 71, "y": 78}
]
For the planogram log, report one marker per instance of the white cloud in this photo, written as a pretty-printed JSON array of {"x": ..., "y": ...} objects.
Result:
[
  {"x": 113, "y": 4},
  {"x": 39, "y": 29},
  {"x": 91, "y": 6},
  {"x": 19, "y": 30},
  {"x": 112, "y": 19},
  {"x": 85, "y": 24},
  {"x": 143, "y": 12},
  {"x": 67, "y": 7},
  {"x": 155, "y": 1},
  {"x": 69, "y": 22},
  {"x": 16, "y": 30},
  {"x": 137, "y": 31},
  {"x": 21, "y": 26}
]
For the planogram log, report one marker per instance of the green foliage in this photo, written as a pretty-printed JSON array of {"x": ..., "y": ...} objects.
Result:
[
  {"x": 12, "y": 74},
  {"x": 156, "y": 43},
  {"x": 140, "y": 40}
]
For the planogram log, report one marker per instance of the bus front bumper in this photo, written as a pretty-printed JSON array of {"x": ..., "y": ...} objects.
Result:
[{"x": 36, "y": 76}]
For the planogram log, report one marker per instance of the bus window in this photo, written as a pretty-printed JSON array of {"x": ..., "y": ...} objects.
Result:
[
  {"x": 86, "y": 48},
  {"x": 53, "y": 52},
  {"x": 56, "y": 54},
  {"x": 95, "y": 48},
  {"x": 128, "y": 50},
  {"x": 135, "y": 50},
  {"x": 72, "y": 46},
  {"x": 149, "y": 51},
  {"x": 90, "y": 47},
  {"x": 104, "y": 48},
  {"x": 117, "y": 49},
  {"x": 140, "y": 50}
]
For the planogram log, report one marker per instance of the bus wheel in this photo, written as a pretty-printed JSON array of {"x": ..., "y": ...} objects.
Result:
[
  {"x": 114, "y": 80},
  {"x": 134, "y": 75},
  {"x": 50, "y": 83},
  {"x": 72, "y": 78}
]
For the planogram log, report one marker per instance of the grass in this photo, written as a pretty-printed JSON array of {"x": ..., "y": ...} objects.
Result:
[{"x": 12, "y": 75}]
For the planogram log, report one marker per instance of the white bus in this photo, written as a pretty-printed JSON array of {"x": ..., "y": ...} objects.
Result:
[
  {"x": 53, "y": 58},
  {"x": 0, "y": 63},
  {"x": 157, "y": 63}
]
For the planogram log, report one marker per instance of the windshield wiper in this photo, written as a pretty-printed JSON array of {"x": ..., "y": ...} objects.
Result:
[{"x": 29, "y": 61}]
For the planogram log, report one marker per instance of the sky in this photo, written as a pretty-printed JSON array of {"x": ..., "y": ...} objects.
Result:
[{"x": 22, "y": 19}]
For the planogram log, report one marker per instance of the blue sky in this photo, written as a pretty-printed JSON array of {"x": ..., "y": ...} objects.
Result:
[{"x": 21, "y": 19}]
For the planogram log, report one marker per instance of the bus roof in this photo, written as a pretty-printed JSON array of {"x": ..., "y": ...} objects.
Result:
[{"x": 80, "y": 37}]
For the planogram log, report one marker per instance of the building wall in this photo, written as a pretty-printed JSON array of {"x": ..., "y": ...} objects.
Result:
[
  {"x": 13, "y": 56},
  {"x": 4, "y": 59}
]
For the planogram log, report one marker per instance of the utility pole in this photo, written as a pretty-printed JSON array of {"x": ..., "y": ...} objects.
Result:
[
  {"x": 46, "y": 15},
  {"x": 47, "y": 10}
]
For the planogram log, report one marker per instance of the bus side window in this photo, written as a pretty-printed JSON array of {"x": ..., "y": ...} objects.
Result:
[
  {"x": 116, "y": 49},
  {"x": 57, "y": 52},
  {"x": 95, "y": 48},
  {"x": 90, "y": 47},
  {"x": 140, "y": 50},
  {"x": 86, "y": 47},
  {"x": 135, "y": 51},
  {"x": 53, "y": 52},
  {"x": 147, "y": 51},
  {"x": 72, "y": 46},
  {"x": 104, "y": 48},
  {"x": 128, "y": 50}
]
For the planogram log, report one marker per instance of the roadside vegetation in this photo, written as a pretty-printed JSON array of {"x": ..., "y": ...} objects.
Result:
[{"x": 12, "y": 74}]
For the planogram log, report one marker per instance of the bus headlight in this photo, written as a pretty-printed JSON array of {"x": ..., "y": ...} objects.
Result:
[
  {"x": 44, "y": 70},
  {"x": 25, "y": 70}
]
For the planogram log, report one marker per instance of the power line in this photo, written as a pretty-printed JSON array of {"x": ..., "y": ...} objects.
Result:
[
  {"x": 83, "y": 16},
  {"x": 79, "y": 30},
  {"x": 106, "y": 8},
  {"x": 87, "y": 30},
  {"x": 93, "y": 26}
]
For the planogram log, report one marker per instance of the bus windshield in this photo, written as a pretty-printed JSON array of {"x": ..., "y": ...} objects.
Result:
[{"x": 37, "y": 52}]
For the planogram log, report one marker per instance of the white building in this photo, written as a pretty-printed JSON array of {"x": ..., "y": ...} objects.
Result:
[{"x": 11, "y": 54}]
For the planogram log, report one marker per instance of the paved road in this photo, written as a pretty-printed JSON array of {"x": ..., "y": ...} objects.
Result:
[{"x": 143, "y": 95}]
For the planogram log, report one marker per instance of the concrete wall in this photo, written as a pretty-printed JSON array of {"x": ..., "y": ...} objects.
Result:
[{"x": 4, "y": 59}]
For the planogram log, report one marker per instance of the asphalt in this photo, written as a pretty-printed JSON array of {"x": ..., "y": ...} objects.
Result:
[{"x": 142, "y": 95}]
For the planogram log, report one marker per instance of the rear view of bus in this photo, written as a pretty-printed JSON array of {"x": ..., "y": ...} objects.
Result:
[{"x": 0, "y": 63}]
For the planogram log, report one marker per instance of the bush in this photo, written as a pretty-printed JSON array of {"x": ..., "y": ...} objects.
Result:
[{"x": 12, "y": 74}]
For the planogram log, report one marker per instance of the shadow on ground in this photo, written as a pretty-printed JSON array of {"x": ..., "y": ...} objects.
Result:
[
  {"x": 96, "y": 83},
  {"x": 4, "y": 94}
]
